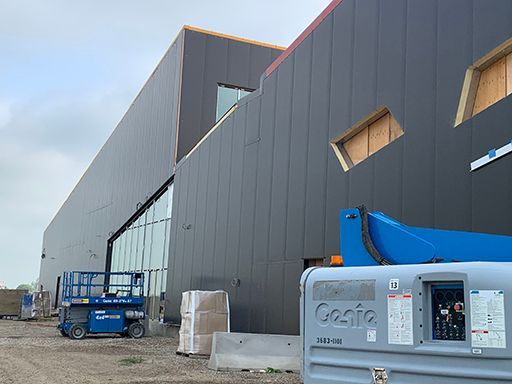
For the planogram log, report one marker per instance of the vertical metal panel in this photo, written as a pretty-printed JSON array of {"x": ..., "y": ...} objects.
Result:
[
  {"x": 222, "y": 221},
  {"x": 492, "y": 185},
  {"x": 238, "y": 63},
  {"x": 281, "y": 162},
  {"x": 236, "y": 170},
  {"x": 491, "y": 25},
  {"x": 210, "y": 213},
  {"x": 216, "y": 56},
  {"x": 340, "y": 118},
  {"x": 299, "y": 134},
  {"x": 194, "y": 72},
  {"x": 265, "y": 165},
  {"x": 318, "y": 140},
  {"x": 452, "y": 184},
  {"x": 420, "y": 107},
  {"x": 387, "y": 184},
  {"x": 245, "y": 260},
  {"x": 199, "y": 255}
]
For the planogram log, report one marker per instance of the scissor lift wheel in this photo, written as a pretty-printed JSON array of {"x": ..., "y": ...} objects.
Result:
[
  {"x": 136, "y": 330},
  {"x": 77, "y": 332}
]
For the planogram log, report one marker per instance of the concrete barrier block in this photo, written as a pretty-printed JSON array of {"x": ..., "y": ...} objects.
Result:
[
  {"x": 248, "y": 351},
  {"x": 155, "y": 328}
]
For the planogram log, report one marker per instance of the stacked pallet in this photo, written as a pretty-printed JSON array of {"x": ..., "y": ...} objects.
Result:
[
  {"x": 10, "y": 302},
  {"x": 202, "y": 314}
]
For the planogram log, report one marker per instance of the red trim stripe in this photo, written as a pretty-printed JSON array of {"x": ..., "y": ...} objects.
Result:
[{"x": 327, "y": 11}]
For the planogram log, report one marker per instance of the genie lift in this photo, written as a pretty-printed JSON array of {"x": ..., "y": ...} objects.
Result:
[
  {"x": 93, "y": 304},
  {"x": 408, "y": 305}
]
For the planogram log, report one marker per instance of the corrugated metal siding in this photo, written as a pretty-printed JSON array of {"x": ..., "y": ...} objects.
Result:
[
  {"x": 135, "y": 161},
  {"x": 272, "y": 202},
  {"x": 209, "y": 60}
]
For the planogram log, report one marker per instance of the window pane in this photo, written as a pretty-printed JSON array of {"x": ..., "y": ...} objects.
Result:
[
  {"x": 226, "y": 98},
  {"x": 140, "y": 242},
  {"x": 161, "y": 208},
  {"x": 167, "y": 233},
  {"x": 157, "y": 245},
  {"x": 129, "y": 249},
  {"x": 147, "y": 246},
  {"x": 244, "y": 93},
  {"x": 170, "y": 194},
  {"x": 122, "y": 243}
]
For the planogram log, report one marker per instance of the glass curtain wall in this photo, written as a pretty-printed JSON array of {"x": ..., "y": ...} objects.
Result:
[{"x": 144, "y": 247}]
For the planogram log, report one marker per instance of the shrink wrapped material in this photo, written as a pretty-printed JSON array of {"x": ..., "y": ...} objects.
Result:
[{"x": 202, "y": 314}]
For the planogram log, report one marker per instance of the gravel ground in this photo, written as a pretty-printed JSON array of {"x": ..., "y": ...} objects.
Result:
[{"x": 35, "y": 353}]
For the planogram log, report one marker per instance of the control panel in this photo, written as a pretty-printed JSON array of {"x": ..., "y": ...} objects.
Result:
[{"x": 448, "y": 312}]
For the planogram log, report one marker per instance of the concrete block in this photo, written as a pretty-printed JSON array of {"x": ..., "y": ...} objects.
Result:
[
  {"x": 156, "y": 328},
  {"x": 241, "y": 351}
]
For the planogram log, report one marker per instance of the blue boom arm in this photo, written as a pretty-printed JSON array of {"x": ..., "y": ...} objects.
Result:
[{"x": 372, "y": 238}]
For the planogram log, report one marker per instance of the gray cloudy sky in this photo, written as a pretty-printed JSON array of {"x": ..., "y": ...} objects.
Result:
[{"x": 68, "y": 72}]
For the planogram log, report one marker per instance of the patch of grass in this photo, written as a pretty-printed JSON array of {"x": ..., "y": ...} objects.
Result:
[
  {"x": 132, "y": 360},
  {"x": 272, "y": 370}
]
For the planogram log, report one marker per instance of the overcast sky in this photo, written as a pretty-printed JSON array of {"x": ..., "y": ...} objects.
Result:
[{"x": 68, "y": 72}]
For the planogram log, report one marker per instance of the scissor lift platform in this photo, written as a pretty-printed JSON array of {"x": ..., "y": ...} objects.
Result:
[{"x": 102, "y": 302}]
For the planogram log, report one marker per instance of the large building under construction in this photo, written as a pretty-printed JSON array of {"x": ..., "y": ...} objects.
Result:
[{"x": 230, "y": 168}]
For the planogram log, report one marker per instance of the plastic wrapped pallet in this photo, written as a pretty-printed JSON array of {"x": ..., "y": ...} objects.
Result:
[
  {"x": 36, "y": 305},
  {"x": 10, "y": 302},
  {"x": 202, "y": 314}
]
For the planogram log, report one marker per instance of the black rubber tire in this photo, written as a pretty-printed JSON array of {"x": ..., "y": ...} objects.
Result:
[
  {"x": 63, "y": 333},
  {"x": 136, "y": 330},
  {"x": 77, "y": 332}
]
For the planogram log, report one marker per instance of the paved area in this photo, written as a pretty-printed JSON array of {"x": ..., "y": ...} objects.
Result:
[{"x": 35, "y": 353}]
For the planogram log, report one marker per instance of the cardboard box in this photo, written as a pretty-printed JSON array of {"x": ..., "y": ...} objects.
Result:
[{"x": 202, "y": 314}]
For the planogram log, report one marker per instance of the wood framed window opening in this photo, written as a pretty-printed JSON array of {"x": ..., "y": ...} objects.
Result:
[
  {"x": 366, "y": 137},
  {"x": 487, "y": 81}
]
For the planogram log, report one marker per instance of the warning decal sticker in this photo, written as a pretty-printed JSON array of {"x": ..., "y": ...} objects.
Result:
[
  {"x": 488, "y": 319},
  {"x": 400, "y": 329}
]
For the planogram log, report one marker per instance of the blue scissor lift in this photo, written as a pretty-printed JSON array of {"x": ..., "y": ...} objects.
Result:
[{"x": 102, "y": 302}]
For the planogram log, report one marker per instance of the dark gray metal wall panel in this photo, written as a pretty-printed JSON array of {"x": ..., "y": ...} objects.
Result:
[
  {"x": 296, "y": 215},
  {"x": 340, "y": 119},
  {"x": 238, "y": 63},
  {"x": 235, "y": 204},
  {"x": 245, "y": 261},
  {"x": 364, "y": 94},
  {"x": 217, "y": 54},
  {"x": 455, "y": 21},
  {"x": 265, "y": 165},
  {"x": 318, "y": 139},
  {"x": 366, "y": 48},
  {"x": 211, "y": 214},
  {"x": 209, "y": 60},
  {"x": 387, "y": 174},
  {"x": 222, "y": 221},
  {"x": 134, "y": 162},
  {"x": 193, "y": 89},
  {"x": 280, "y": 187},
  {"x": 419, "y": 122},
  {"x": 281, "y": 163},
  {"x": 190, "y": 260},
  {"x": 200, "y": 219},
  {"x": 492, "y": 185},
  {"x": 491, "y": 23}
]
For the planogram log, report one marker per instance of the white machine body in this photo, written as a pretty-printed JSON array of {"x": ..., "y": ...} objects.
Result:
[{"x": 426, "y": 324}]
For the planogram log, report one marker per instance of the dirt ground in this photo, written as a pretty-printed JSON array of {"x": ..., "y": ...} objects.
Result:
[{"x": 36, "y": 353}]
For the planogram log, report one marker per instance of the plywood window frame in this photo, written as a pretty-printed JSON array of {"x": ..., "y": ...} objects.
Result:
[
  {"x": 468, "y": 96},
  {"x": 362, "y": 127}
]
